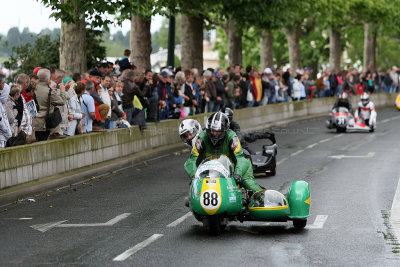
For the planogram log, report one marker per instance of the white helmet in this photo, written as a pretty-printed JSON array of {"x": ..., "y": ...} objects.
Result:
[
  {"x": 189, "y": 129},
  {"x": 364, "y": 98}
]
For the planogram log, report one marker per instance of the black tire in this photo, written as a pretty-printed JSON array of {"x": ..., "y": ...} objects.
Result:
[
  {"x": 214, "y": 225},
  {"x": 340, "y": 130},
  {"x": 299, "y": 224},
  {"x": 273, "y": 172}
]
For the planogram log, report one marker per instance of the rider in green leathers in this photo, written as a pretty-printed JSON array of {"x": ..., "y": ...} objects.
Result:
[{"x": 217, "y": 139}]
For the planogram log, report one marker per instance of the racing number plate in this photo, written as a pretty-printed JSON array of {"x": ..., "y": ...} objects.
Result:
[{"x": 210, "y": 199}]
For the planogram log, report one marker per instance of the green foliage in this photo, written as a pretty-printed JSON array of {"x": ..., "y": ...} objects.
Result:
[
  {"x": 26, "y": 57},
  {"x": 388, "y": 52},
  {"x": 280, "y": 47},
  {"x": 221, "y": 46},
  {"x": 45, "y": 52}
]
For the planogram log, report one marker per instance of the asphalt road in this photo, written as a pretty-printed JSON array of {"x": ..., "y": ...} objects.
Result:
[{"x": 353, "y": 179}]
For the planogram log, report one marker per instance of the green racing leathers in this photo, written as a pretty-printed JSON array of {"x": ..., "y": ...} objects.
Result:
[{"x": 230, "y": 147}]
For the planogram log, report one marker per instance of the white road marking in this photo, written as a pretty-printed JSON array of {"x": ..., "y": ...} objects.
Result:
[
  {"x": 296, "y": 153},
  {"x": 369, "y": 155},
  {"x": 281, "y": 161},
  {"x": 311, "y": 146},
  {"x": 181, "y": 219},
  {"x": 395, "y": 212},
  {"x": 318, "y": 223},
  {"x": 386, "y": 120},
  {"x": 19, "y": 219},
  {"x": 47, "y": 226},
  {"x": 136, "y": 248},
  {"x": 338, "y": 135},
  {"x": 325, "y": 140}
]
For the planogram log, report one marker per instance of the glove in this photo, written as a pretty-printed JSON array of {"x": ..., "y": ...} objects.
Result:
[{"x": 238, "y": 179}]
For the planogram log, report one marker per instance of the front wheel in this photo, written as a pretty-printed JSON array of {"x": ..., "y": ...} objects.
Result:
[
  {"x": 299, "y": 224},
  {"x": 340, "y": 130},
  {"x": 214, "y": 225}
]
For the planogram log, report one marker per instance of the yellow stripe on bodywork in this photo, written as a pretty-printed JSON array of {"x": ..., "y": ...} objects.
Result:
[
  {"x": 308, "y": 201},
  {"x": 195, "y": 151},
  {"x": 238, "y": 148},
  {"x": 217, "y": 188},
  {"x": 270, "y": 208}
]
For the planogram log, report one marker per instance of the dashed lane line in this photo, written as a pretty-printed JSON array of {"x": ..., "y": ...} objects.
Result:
[
  {"x": 318, "y": 223},
  {"x": 311, "y": 146},
  {"x": 181, "y": 219},
  {"x": 296, "y": 153},
  {"x": 128, "y": 253},
  {"x": 325, "y": 140},
  {"x": 281, "y": 161}
]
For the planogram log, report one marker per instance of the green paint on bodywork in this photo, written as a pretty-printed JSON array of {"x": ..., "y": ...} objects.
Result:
[
  {"x": 298, "y": 196},
  {"x": 231, "y": 197}
]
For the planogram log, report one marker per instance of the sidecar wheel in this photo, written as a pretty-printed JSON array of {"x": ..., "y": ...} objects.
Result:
[{"x": 299, "y": 223}]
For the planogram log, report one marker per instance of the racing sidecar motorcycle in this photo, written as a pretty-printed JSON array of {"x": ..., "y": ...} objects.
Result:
[
  {"x": 343, "y": 121},
  {"x": 216, "y": 200}
]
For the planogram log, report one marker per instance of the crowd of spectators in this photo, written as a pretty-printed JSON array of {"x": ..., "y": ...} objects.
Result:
[{"x": 117, "y": 95}]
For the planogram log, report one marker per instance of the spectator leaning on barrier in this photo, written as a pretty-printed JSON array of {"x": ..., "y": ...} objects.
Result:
[
  {"x": 134, "y": 115},
  {"x": 88, "y": 108},
  {"x": 42, "y": 94},
  {"x": 5, "y": 131},
  {"x": 116, "y": 113},
  {"x": 103, "y": 93},
  {"x": 164, "y": 95},
  {"x": 18, "y": 136},
  {"x": 27, "y": 122},
  {"x": 75, "y": 113}
]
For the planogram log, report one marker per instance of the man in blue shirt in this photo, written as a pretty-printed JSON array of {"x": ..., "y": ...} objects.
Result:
[{"x": 88, "y": 107}]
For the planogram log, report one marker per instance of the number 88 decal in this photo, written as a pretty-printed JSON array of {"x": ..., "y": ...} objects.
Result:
[{"x": 210, "y": 199}]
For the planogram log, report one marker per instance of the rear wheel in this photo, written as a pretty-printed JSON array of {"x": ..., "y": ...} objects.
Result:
[
  {"x": 273, "y": 172},
  {"x": 214, "y": 225},
  {"x": 299, "y": 224}
]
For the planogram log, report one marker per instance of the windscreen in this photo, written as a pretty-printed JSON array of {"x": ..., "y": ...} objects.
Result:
[{"x": 220, "y": 167}]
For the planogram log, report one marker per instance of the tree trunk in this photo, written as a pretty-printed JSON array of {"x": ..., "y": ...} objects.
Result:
[
  {"x": 191, "y": 42},
  {"x": 266, "y": 53},
  {"x": 234, "y": 44},
  {"x": 334, "y": 50},
  {"x": 140, "y": 42},
  {"x": 293, "y": 37},
  {"x": 370, "y": 33},
  {"x": 73, "y": 47}
]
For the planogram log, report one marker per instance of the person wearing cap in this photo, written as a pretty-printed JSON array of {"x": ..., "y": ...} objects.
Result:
[
  {"x": 35, "y": 71},
  {"x": 165, "y": 98}
]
